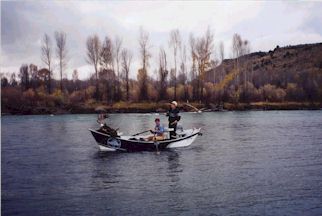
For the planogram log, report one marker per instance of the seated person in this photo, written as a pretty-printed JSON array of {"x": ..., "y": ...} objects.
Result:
[
  {"x": 158, "y": 132},
  {"x": 101, "y": 119}
]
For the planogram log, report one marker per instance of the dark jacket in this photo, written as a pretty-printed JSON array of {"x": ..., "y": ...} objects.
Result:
[{"x": 173, "y": 115}]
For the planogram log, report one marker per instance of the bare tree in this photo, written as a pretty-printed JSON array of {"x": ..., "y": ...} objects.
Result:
[
  {"x": 24, "y": 77},
  {"x": 34, "y": 76},
  {"x": 245, "y": 49},
  {"x": 236, "y": 47},
  {"x": 117, "y": 56},
  {"x": 221, "y": 51},
  {"x": 117, "y": 53},
  {"x": 163, "y": 74},
  {"x": 61, "y": 53},
  {"x": 183, "y": 66},
  {"x": 106, "y": 54},
  {"x": 193, "y": 73},
  {"x": 13, "y": 81},
  {"x": 75, "y": 75},
  {"x": 145, "y": 56},
  {"x": 126, "y": 59},
  {"x": 175, "y": 43},
  {"x": 144, "y": 48},
  {"x": 75, "y": 79},
  {"x": 93, "y": 56},
  {"x": 4, "y": 80},
  {"x": 46, "y": 57},
  {"x": 204, "y": 49},
  {"x": 240, "y": 48},
  {"x": 222, "y": 57}
]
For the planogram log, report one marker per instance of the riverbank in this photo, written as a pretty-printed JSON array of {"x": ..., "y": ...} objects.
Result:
[{"x": 126, "y": 107}]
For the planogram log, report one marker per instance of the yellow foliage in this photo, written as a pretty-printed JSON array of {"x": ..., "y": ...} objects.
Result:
[
  {"x": 180, "y": 91},
  {"x": 271, "y": 93},
  {"x": 90, "y": 102},
  {"x": 57, "y": 93},
  {"x": 41, "y": 91},
  {"x": 58, "y": 97},
  {"x": 29, "y": 94},
  {"x": 134, "y": 93},
  {"x": 170, "y": 92},
  {"x": 77, "y": 96},
  {"x": 152, "y": 92},
  {"x": 227, "y": 79},
  {"x": 234, "y": 96},
  {"x": 190, "y": 91},
  {"x": 90, "y": 92}
]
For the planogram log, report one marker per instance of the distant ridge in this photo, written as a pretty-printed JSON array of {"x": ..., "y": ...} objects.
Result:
[{"x": 278, "y": 67}]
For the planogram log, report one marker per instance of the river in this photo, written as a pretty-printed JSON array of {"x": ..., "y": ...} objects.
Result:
[{"x": 246, "y": 163}]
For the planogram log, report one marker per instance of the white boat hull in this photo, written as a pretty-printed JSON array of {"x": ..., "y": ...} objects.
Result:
[
  {"x": 183, "y": 143},
  {"x": 105, "y": 149}
]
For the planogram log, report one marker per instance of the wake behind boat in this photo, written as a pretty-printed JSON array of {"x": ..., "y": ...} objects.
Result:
[{"x": 109, "y": 140}]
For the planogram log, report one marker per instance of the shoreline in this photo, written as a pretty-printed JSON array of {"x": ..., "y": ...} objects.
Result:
[{"x": 153, "y": 107}]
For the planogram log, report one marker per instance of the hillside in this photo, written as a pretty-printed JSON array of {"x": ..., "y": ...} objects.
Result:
[{"x": 297, "y": 67}]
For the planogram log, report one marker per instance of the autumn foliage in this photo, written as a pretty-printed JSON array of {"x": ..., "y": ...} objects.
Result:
[{"x": 290, "y": 74}]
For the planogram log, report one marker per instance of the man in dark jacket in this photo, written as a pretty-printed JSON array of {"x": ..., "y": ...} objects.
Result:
[{"x": 173, "y": 119}]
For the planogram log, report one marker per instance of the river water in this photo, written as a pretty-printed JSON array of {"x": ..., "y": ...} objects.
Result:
[{"x": 246, "y": 163}]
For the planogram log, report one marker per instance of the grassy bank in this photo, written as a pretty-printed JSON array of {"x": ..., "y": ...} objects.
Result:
[
  {"x": 273, "y": 106},
  {"x": 147, "y": 107}
]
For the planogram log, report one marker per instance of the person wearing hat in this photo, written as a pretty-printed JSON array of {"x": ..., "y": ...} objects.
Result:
[
  {"x": 173, "y": 119},
  {"x": 158, "y": 132}
]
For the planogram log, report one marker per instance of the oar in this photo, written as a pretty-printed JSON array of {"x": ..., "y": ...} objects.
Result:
[
  {"x": 156, "y": 143},
  {"x": 157, "y": 147},
  {"x": 140, "y": 133}
]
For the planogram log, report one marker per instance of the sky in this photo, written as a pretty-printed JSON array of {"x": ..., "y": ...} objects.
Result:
[{"x": 265, "y": 24}]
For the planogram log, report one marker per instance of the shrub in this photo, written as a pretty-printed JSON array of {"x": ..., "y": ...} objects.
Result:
[
  {"x": 90, "y": 92},
  {"x": 170, "y": 92},
  {"x": 273, "y": 94},
  {"x": 58, "y": 97},
  {"x": 152, "y": 92},
  {"x": 291, "y": 91},
  {"x": 29, "y": 97},
  {"x": 280, "y": 94},
  {"x": 251, "y": 93},
  {"x": 180, "y": 92},
  {"x": 10, "y": 97},
  {"x": 234, "y": 94},
  {"x": 208, "y": 92},
  {"x": 77, "y": 97},
  {"x": 190, "y": 91}
]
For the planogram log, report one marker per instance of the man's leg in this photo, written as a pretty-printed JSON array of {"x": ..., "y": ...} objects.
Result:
[
  {"x": 159, "y": 138},
  {"x": 150, "y": 138},
  {"x": 173, "y": 133}
]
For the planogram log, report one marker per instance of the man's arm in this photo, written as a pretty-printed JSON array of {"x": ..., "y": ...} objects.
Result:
[
  {"x": 175, "y": 122},
  {"x": 161, "y": 129}
]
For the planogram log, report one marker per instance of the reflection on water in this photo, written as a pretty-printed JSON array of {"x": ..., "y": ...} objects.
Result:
[{"x": 246, "y": 163}]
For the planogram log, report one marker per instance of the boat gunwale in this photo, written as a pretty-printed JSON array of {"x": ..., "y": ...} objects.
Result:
[{"x": 149, "y": 142}]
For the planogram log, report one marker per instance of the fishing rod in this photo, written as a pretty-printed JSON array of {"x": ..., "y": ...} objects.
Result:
[{"x": 141, "y": 133}]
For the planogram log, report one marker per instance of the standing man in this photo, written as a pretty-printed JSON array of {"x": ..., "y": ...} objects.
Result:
[{"x": 174, "y": 117}]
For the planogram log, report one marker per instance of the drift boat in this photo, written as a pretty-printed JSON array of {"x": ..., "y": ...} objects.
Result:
[{"x": 109, "y": 140}]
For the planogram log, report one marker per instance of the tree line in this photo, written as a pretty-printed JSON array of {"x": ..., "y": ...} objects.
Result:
[{"x": 197, "y": 72}]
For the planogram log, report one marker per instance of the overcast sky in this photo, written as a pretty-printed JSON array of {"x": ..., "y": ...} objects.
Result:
[{"x": 264, "y": 24}]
